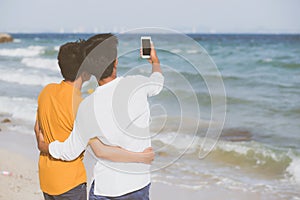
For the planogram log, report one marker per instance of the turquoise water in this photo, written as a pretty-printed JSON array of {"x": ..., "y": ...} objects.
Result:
[{"x": 259, "y": 149}]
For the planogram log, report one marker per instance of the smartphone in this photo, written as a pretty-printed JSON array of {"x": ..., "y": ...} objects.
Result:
[{"x": 146, "y": 46}]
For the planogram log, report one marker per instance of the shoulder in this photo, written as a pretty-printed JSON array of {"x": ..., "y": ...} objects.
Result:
[
  {"x": 86, "y": 112},
  {"x": 154, "y": 79},
  {"x": 145, "y": 78},
  {"x": 87, "y": 102},
  {"x": 138, "y": 79},
  {"x": 132, "y": 82},
  {"x": 46, "y": 92},
  {"x": 48, "y": 89},
  {"x": 157, "y": 75}
]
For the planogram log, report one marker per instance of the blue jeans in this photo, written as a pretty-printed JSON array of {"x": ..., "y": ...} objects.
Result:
[
  {"x": 77, "y": 193},
  {"x": 141, "y": 194}
]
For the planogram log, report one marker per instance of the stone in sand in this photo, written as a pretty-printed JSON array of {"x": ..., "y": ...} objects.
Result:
[{"x": 6, "y": 120}]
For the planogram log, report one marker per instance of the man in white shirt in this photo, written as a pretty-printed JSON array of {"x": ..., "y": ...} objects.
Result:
[{"x": 118, "y": 114}]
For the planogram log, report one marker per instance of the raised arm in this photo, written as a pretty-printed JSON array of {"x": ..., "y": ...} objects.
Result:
[
  {"x": 118, "y": 154},
  {"x": 154, "y": 60},
  {"x": 156, "y": 80}
]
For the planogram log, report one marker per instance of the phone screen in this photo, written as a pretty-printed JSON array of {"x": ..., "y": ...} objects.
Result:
[{"x": 146, "y": 47}]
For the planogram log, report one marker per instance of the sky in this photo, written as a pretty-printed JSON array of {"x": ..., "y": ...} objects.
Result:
[{"x": 189, "y": 16}]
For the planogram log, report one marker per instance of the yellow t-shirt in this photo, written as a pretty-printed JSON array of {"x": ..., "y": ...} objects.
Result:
[{"x": 57, "y": 107}]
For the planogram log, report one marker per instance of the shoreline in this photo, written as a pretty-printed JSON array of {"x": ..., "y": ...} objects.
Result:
[{"x": 19, "y": 156}]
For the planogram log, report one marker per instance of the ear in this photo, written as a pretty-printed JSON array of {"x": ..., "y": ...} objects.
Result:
[
  {"x": 85, "y": 76},
  {"x": 116, "y": 63}
]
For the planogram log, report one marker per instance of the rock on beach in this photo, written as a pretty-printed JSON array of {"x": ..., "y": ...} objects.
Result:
[{"x": 5, "y": 38}]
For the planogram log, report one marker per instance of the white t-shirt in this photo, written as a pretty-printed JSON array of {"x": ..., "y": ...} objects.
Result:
[{"x": 118, "y": 114}]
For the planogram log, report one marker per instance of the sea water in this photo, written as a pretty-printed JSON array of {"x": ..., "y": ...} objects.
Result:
[{"x": 259, "y": 148}]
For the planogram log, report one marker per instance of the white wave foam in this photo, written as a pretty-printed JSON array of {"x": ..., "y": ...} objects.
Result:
[
  {"x": 244, "y": 148},
  {"x": 176, "y": 51},
  {"x": 192, "y": 51},
  {"x": 191, "y": 144},
  {"x": 17, "y": 40},
  {"x": 234, "y": 147},
  {"x": 56, "y": 48},
  {"x": 180, "y": 141},
  {"x": 23, "y": 52},
  {"x": 20, "y": 108},
  {"x": 294, "y": 169},
  {"x": 267, "y": 60},
  {"x": 41, "y": 63},
  {"x": 20, "y": 76}
]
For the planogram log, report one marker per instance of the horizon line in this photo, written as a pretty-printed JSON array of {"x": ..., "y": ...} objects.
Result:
[{"x": 189, "y": 33}]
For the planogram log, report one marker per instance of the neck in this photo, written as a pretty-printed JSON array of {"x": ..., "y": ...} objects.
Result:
[
  {"x": 106, "y": 80},
  {"x": 77, "y": 83}
]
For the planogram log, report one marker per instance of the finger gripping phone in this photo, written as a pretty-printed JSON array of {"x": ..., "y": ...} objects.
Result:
[{"x": 146, "y": 46}]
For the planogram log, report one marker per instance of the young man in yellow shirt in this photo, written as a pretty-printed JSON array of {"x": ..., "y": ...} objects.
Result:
[{"x": 57, "y": 107}]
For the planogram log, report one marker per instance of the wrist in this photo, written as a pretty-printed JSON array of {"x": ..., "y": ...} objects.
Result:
[
  {"x": 43, "y": 147},
  {"x": 142, "y": 158},
  {"x": 155, "y": 61}
]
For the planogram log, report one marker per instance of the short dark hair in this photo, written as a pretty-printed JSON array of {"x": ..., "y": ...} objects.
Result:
[
  {"x": 70, "y": 57},
  {"x": 100, "y": 55}
]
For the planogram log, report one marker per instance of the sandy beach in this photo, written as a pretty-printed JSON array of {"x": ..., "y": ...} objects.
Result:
[
  {"x": 23, "y": 183},
  {"x": 19, "y": 156}
]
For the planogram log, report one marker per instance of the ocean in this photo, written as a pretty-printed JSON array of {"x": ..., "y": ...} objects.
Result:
[{"x": 258, "y": 76}]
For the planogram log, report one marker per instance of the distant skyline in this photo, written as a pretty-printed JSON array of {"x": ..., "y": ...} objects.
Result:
[{"x": 189, "y": 16}]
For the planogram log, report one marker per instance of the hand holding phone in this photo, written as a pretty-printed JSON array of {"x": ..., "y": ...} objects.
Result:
[
  {"x": 148, "y": 50},
  {"x": 146, "y": 46}
]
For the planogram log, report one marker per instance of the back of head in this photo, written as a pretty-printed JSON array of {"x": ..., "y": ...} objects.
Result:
[
  {"x": 100, "y": 55},
  {"x": 70, "y": 57}
]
